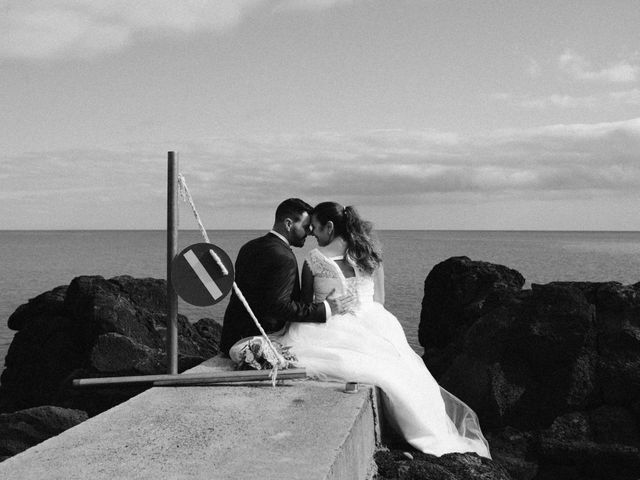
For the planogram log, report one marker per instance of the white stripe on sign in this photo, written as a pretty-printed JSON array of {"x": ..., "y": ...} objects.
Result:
[{"x": 203, "y": 275}]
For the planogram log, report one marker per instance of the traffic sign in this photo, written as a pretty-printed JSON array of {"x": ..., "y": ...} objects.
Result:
[{"x": 196, "y": 276}]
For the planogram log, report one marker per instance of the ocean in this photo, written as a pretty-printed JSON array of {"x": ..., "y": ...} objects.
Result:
[{"x": 36, "y": 261}]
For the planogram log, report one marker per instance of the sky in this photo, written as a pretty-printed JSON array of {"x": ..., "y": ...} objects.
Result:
[{"x": 424, "y": 114}]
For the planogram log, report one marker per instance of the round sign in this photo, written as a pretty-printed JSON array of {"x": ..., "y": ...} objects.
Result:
[{"x": 197, "y": 277}]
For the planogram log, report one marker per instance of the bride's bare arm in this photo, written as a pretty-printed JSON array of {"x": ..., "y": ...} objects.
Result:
[
  {"x": 378, "y": 285},
  {"x": 307, "y": 284}
]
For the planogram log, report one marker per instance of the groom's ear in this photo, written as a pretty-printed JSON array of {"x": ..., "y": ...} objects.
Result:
[{"x": 287, "y": 223}]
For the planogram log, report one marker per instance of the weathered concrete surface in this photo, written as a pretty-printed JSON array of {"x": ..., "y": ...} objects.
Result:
[{"x": 300, "y": 430}]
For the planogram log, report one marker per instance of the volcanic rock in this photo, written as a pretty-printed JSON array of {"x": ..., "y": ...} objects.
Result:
[{"x": 90, "y": 328}]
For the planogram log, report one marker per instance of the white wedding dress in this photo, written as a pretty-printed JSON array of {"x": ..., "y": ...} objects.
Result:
[{"x": 369, "y": 346}]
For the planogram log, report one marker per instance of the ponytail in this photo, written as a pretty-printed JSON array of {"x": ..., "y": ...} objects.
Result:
[{"x": 361, "y": 248}]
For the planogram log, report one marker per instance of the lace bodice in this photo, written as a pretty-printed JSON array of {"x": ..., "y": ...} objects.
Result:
[{"x": 327, "y": 275}]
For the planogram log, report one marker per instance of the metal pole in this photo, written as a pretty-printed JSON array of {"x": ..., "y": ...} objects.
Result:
[
  {"x": 172, "y": 251},
  {"x": 220, "y": 376}
]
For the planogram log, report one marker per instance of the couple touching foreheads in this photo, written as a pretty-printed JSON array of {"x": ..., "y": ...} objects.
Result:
[{"x": 334, "y": 322}]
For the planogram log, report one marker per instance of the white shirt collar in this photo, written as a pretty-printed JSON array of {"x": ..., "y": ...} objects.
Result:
[{"x": 280, "y": 237}]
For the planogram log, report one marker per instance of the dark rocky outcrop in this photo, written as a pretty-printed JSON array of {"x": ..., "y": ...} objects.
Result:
[
  {"x": 94, "y": 327},
  {"x": 463, "y": 290},
  {"x": 20, "y": 430},
  {"x": 399, "y": 465},
  {"x": 553, "y": 372}
]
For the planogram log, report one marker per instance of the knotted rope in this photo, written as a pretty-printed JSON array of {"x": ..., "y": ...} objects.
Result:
[{"x": 186, "y": 196}]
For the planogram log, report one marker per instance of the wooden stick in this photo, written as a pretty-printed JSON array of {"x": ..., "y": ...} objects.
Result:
[{"x": 193, "y": 378}]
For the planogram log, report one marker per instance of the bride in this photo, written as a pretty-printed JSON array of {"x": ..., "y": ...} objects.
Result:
[{"x": 368, "y": 344}]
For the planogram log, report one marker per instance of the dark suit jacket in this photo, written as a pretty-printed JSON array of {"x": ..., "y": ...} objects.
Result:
[{"x": 266, "y": 272}]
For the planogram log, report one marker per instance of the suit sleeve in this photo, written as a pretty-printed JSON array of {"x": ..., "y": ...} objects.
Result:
[{"x": 279, "y": 289}]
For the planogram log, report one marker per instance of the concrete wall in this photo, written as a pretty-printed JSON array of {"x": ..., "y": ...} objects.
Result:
[{"x": 300, "y": 430}]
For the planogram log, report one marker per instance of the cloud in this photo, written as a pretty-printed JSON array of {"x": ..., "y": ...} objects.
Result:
[
  {"x": 389, "y": 167},
  {"x": 53, "y": 29},
  {"x": 601, "y": 100},
  {"x": 236, "y": 182},
  {"x": 581, "y": 69},
  {"x": 39, "y": 29},
  {"x": 533, "y": 68},
  {"x": 311, "y": 4},
  {"x": 398, "y": 167}
]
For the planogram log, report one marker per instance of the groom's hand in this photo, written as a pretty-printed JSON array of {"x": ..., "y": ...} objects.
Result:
[{"x": 340, "y": 305}]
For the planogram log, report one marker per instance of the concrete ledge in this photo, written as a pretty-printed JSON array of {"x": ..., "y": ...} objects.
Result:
[{"x": 300, "y": 430}]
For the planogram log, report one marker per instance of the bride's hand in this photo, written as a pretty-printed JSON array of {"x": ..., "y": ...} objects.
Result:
[{"x": 340, "y": 305}]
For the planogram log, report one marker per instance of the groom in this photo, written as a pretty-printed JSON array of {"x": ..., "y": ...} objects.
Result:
[{"x": 266, "y": 271}]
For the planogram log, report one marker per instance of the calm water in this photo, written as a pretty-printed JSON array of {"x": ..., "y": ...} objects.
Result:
[{"x": 36, "y": 261}]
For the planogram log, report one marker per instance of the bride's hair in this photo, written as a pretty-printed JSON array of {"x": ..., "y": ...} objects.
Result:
[{"x": 361, "y": 247}]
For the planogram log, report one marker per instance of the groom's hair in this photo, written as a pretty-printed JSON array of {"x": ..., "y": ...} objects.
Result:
[{"x": 292, "y": 208}]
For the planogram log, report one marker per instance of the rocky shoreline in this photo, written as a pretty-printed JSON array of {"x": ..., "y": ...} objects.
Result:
[
  {"x": 553, "y": 372},
  {"x": 91, "y": 328}
]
